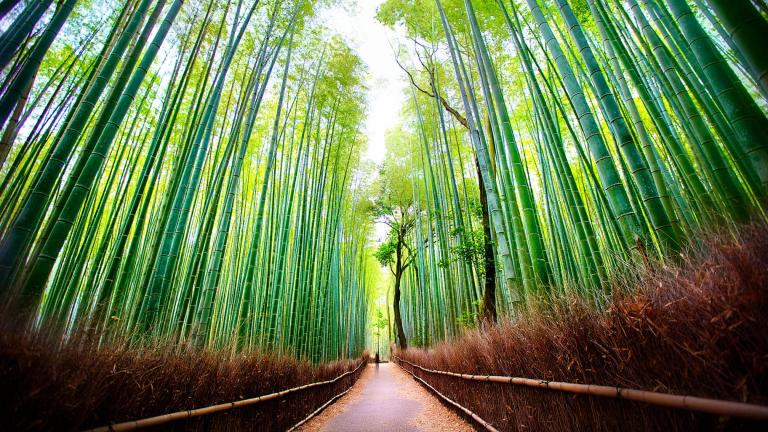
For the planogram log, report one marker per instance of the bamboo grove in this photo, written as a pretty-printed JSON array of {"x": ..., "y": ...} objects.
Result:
[
  {"x": 192, "y": 172},
  {"x": 577, "y": 137},
  {"x": 183, "y": 172}
]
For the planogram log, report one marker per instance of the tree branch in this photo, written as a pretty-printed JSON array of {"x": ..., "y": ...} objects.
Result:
[
  {"x": 443, "y": 101},
  {"x": 454, "y": 113},
  {"x": 410, "y": 77}
]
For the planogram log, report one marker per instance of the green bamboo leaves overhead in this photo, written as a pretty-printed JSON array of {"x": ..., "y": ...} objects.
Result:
[
  {"x": 189, "y": 176},
  {"x": 605, "y": 132}
]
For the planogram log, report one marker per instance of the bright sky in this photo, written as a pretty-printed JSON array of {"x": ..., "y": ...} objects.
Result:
[{"x": 356, "y": 23}]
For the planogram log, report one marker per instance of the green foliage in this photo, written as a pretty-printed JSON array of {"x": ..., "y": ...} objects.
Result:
[
  {"x": 191, "y": 172},
  {"x": 594, "y": 131},
  {"x": 470, "y": 247},
  {"x": 468, "y": 318},
  {"x": 385, "y": 253},
  {"x": 221, "y": 205},
  {"x": 379, "y": 322}
]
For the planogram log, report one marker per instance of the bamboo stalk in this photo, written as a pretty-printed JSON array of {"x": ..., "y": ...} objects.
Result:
[
  {"x": 167, "y": 418},
  {"x": 691, "y": 403}
]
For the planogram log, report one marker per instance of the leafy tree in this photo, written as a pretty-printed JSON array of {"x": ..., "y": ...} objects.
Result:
[
  {"x": 379, "y": 324},
  {"x": 394, "y": 207}
]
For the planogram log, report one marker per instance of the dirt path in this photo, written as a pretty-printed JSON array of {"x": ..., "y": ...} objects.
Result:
[{"x": 387, "y": 399}]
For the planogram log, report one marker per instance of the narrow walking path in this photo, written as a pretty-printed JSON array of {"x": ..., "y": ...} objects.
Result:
[{"x": 387, "y": 399}]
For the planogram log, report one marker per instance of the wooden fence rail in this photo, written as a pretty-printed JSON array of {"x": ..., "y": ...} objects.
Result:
[
  {"x": 450, "y": 401},
  {"x": 691, "y": 403},
  {"x": 166, "y": 418}
]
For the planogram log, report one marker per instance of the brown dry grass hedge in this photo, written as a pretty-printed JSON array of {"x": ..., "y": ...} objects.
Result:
[
  {"x": 69, "y": 388},
  {"x": 699, "y": 327}
]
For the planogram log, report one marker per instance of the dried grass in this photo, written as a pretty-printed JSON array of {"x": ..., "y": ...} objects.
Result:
[
  {"x": 697, "y": 328},
  {"x": 44, "y": 387}
]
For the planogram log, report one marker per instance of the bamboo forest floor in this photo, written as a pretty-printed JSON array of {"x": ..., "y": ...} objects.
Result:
[{"x": 386, "y": 398}]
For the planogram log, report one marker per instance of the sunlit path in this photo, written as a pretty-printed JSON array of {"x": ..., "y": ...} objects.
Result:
[{"x": 387, "y": 399}]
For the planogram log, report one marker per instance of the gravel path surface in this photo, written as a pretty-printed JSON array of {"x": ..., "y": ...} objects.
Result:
[{"x": 387, "y": 399}]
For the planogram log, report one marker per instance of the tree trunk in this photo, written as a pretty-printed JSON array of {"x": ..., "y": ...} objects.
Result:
[
  {"x": 12, "y": 129},
  {"x": 401, "y": 340},
  {"x": 489, "y": 291},
  {"x": 390, "y": 334}
]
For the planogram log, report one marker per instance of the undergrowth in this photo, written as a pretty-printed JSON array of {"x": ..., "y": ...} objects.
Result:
[
  {"x": 697, "y": 327},
  {"x": 45, "y": 386}
]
